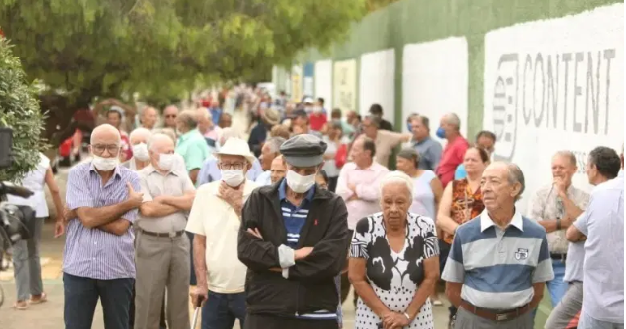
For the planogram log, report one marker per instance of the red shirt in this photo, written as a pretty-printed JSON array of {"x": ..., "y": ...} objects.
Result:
[
  {"x": 451, "y": 158},
  {"x": 317, "y": 121},
  {"x": 127, "y": 150}
]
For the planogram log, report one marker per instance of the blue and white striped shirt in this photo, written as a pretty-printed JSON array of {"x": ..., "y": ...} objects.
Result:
[
  {"x": 93, "y": 253},
  {"x": 499, "y": 267}
]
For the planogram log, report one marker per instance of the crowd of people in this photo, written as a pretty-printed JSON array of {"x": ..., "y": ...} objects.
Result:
[{"x": 274, "y": 231}]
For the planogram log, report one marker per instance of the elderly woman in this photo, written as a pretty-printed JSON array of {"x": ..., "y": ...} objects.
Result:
[
  {"x": 462, "y": 200},
  {"x": 394, "y": 261}
]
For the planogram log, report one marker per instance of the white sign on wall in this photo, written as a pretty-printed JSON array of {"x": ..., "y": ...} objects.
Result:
[
  {"x": 555, "y": 85},
  {"x": 376, "y": 83},
  {"x": 434, "y": 80},
  {"x": 344, "y": 85},
  {"x": 323, "y": 80},
  {"x": 296, "y": 84}
]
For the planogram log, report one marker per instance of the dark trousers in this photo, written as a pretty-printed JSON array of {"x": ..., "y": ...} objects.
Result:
[
  {"x": 81, "y": 298},
  {"x": 332, "y": 185},
  {"x": 345, "y": 282},
  {"x": 131, "y": 315},
  {"x": 221, "y": 310},
  {"x": 258, "y": 321},
  {"x": 444, "y": 251},
  {"x": 192, "y": 276}
]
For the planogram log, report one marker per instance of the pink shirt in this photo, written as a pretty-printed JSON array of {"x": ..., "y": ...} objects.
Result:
[{"x": 367, "y": 182}]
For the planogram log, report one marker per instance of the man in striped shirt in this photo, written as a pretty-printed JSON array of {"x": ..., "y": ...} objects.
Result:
[
  {"x": 499, "y": 262},
  {"x": 98, "y": 261}
]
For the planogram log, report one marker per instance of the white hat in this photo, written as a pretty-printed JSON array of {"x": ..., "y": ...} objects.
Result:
[
  {"x": 308, "y": 100},
  {"x": 236, "y": 146}
]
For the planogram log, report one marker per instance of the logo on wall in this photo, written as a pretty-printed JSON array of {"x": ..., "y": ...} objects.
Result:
[{"x": 505, "y": 106}]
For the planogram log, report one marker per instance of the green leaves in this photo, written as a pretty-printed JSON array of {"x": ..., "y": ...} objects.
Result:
[{"x": 19, "y": 110}]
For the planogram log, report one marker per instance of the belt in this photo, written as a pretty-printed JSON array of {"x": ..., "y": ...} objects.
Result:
[
  {"x": 163, "y": 235},
  {"x": 558, "y": 256},
  {"x": 489, "y": 314}
]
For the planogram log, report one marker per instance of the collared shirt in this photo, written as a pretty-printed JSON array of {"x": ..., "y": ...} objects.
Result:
[
  {"x": 179, "y": 163},
  {"x": 547, "y": 205},
  {"x": 367, "y": 182},
  {"x": 154, "y": 184},
  {"x": 499, "y": 267},
  {"x": 211, "y": 173},
  {"x": 603, "y": 269},
  {"x": 193, "y": 148},
  {"x": 264, "y": 178},
  {"x": 215, "y": 219},
  {"x": 452, "y": 157},
  {"x": 93, "y": 253},
  {"x": 429, "y": 151},
  {"x": 385, "y": 142}
]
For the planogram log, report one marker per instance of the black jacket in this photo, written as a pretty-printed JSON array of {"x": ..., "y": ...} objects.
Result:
[{"x": 311, "y": 285}]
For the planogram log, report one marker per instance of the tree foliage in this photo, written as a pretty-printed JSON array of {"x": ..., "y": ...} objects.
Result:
[
  {"x": 19, "y": 110},
  {"x": 83, "y": 49}
]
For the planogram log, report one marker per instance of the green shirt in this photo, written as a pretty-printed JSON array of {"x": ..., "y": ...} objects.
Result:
[{"x": 193, "y": 148}]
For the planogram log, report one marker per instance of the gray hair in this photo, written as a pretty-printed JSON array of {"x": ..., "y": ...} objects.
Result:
[
  {"x": 453, "y": 119},
  {"x": 374, "y": 119},
  {"x": 227, "y": 133},
  {"x": 569, "y": 155},
  {"x": 516, "y": 175},
  {"x": 410, "y": 154},
  {"x": 275, "y": 143},
  {"x": 139, "y": 131},
  {"x": 169, "y": 132},
  {"x": 155, "y": 138},
  {"x": 204, "y": 113},
  {"x": 188, "y": 117},
  {"x": 397, "y": 176}
]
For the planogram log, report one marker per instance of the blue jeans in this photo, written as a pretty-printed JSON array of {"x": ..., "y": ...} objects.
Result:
[
  {"x": 557, "y": 287},
  {"x": 221, "y": 310},
  {"x": 81, "y": 298},
  {"x": 192, "y": 277}
]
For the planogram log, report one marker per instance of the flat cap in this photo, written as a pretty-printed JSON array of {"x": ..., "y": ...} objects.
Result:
[{"x": 303, "y": 151}]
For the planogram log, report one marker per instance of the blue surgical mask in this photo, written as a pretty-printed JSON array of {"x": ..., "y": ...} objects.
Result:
[
  {"x": 441, "y": 133},
  {"x": 409, "y": 127}
]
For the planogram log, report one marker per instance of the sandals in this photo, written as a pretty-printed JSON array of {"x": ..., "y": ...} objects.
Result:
[
  {"x": 23, "y": 304},
  {"x": 20, "y": 305},
  {"x": 42, "y": 299}
]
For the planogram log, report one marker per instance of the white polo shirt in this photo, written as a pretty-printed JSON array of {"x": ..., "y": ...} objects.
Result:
[{"x": 215, "y": 219}]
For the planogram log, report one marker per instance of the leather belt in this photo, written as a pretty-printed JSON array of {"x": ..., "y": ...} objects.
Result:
[
  {"x": 163, "y": 235},
  {"x": 492, "y": 315},
  {"x": 562, "y": 257}
]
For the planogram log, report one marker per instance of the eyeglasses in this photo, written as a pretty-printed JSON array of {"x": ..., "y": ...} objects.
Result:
[
  {"x": 231, "y": 166},
  {"x": 112, "y": 148},
  {"x": 171, "y": 116}
]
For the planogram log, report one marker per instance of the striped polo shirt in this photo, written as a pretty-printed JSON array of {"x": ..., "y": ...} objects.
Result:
[
  {"x": 499, "y": 267},
  {"x": 294, "y": 219}
]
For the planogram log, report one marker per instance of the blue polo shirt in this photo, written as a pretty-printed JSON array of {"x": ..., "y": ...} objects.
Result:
[{"x": 294, "y": 219}]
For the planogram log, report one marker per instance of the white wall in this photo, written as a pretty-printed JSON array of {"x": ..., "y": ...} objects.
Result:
[
  {"x": 434, "y": 80},
  {"x": 376, "y": 82},
  {"x": 323, "y": 81},
  {"x": 556, "y": 85}
]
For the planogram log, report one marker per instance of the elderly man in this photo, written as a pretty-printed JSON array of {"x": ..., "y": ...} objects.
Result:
[
  {"x": 454, "y": 152},
  {"x": 269, "y": 152},
  {"x": 148, "y": 117},
  {"x": 207, "y": 128},
  {"x": 385, "y": 140},
  {"x": 602, "y": 225},
  {"x": 98, "y": 260},
  {"x": 226, "y": 120},
  {"x": 191, "y": 145},
  {"x": 139, "y": 143},
  {"x": 429, "y": 150},
  {"x": 555, "y": 207},
  {"x": 294, "y": 241},
  {"x": 503, "y": 289},
  {"x": 162, "y": 255},
  {"x": 170, "y": 113},
  {"x": 215, "y": 217},
  {"x": 567, "y": 312},
  {"x": 210, "y": 171},
  {"x": 278, "y": 170}
]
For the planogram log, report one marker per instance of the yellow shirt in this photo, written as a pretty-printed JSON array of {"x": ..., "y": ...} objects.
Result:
[{"x": 215, "y": 219}]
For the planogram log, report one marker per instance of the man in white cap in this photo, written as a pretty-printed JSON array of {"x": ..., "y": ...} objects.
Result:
[
  {"x": 294, "y": 241},
  {"x": 215, "y": 217}
]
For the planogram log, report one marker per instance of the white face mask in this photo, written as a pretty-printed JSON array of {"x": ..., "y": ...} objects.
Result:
[
  {"x": 232, "y": 177},
  {"x": 105, "y": 164},
  {"x": 140, "y": 151},
  {"x": 166, "y": 161},
  {"x": 299, "y": 183},
  {"x": 317, "y": 109}
]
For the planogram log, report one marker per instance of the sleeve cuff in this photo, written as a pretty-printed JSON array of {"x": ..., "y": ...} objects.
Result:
[
  {"x": 286, "y": 273},
  {"x": 286, "y": 257}
]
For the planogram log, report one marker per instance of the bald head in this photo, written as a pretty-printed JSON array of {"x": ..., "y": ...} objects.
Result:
[
  {"x": 149, "y": 117},
  {"x": 158, "y": 142},
  {"x": 139, "y": 135},
  {"x": 170, "y": 113},
  {"x": 105, "y": 134},
  {"x": 452, "y": 120}
]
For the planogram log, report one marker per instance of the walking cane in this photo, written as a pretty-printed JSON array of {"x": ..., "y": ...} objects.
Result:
[{"x": 197, "y": 311}]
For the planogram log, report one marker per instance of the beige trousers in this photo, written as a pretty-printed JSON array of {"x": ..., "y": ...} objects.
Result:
[{"x": 162, "y": 264}]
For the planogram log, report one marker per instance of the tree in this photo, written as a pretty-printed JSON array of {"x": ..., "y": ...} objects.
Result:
[
  {"x": 19, "y": 110},
  {"x": 83, "y": 50}
]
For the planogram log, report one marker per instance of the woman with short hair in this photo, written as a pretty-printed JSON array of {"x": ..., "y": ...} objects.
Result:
[{"x": 394, "y": 261}]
